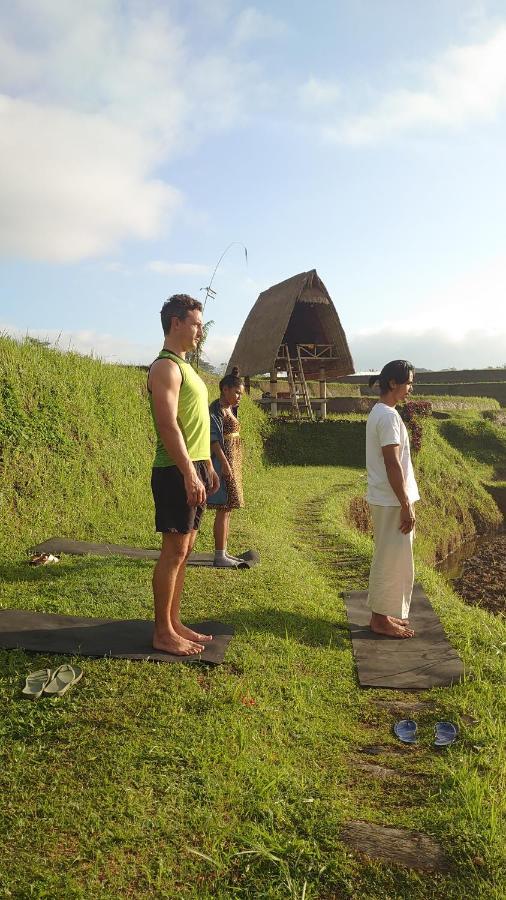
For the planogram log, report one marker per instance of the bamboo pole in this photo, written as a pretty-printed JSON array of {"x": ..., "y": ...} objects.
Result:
[
  {"x": 323, "y": 394},
  {"x": 274, "y": 392}
]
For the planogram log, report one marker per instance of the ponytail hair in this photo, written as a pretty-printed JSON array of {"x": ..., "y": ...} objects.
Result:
[
  {"x": 233, "y": 379},
  {"x": 398, "y": 370}
]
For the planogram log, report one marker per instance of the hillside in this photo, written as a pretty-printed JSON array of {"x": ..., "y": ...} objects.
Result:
[
  {"x": 76, "y": 445},
  {"x": 180, "y": 781}
]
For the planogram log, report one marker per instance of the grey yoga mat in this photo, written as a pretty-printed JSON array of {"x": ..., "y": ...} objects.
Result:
[
  {"x": 121, "y": 638},
  {"x": 80, "y": 548},
  {"x": 427, "y": 660}
]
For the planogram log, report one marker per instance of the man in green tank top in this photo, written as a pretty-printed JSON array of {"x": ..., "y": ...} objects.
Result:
[{"x": 182, "y": 475}]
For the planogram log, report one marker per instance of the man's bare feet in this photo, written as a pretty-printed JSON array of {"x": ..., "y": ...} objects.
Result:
[
  {"x": 388, "y": 626},
  {"x": 176, "y": 645},
  {"x": 189, "y": 634},
  {"x": 399, "y": 621}
]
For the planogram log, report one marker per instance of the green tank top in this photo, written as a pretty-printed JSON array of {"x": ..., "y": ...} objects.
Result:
[{"x": 192, "y": 415}]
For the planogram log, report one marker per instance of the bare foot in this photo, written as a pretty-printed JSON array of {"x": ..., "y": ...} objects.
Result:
[
  {"x": 388, "y": 626},
  {"x": 398, "y": 621},
  {"x": 190, "y": 635},
  {"x": 177, "y": 645}
]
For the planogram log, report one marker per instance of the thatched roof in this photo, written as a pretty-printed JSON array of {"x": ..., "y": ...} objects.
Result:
[{"x": 296, "y": 311}]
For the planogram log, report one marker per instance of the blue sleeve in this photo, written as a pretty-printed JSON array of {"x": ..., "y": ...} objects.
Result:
[{"x": 216, "y": 429}]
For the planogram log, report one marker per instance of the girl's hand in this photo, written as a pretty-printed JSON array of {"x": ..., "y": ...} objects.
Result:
[{"x": 215, "y": 483}]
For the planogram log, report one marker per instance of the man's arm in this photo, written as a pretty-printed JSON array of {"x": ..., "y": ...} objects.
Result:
[
  {"x": 165, "y": 384},
  {"x": 395, "y": 477}
]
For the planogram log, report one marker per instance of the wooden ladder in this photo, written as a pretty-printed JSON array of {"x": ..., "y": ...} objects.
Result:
[
  {"x": 303, "y": 384},
  {"x": 297, "y": 383},
  {"x": 285, "y": 357}
]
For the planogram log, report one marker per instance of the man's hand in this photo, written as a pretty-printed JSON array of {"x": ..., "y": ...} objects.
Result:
[
  {"x": 407, "y": 520},
  {"x": 227, "y": 471},
  {"x": 215, "y": 482},
  {"x": 195, "y": 489}
]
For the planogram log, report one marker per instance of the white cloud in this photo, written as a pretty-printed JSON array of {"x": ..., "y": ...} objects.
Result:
[
  {"x": 430, "y": 349},
  {"x": 474, "y": 300},
  {"x": 106, "y": 347},
  {"x": 218, "y": 348},
  {"x": 73, "y": 184},
  {"x": 115, "y": 265},
  {"x": 465, "y": 85},
  {"x": 253, "y": 25},
  {"x": 92, "y": 102},
  {"x": 167, "y": 268},
  {"x": 461, "y": 324},
  {"x": 111, "y": 348},
  {"x": 91, "y": 106},
  {"x": 316, "y": 92},
  {"x": 124, "y": 67}
]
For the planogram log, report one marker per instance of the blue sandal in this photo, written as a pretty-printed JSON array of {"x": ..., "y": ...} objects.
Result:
[
  {"x": 405, "y": 730},
  {"x": 446, "y": 733}
]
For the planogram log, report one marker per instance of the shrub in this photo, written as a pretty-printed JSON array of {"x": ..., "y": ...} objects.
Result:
[{"x": 410, "y": 413}]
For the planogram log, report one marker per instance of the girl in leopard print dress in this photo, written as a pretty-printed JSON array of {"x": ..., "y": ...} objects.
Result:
[{"x": 226, "y": 451}]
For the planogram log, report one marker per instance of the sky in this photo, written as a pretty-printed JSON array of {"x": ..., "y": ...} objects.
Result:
[{"x": 363, "y": 138}]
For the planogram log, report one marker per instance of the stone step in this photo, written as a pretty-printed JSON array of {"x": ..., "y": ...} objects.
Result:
[
  {"x": 396, "y": 846},
  {"x": 404, "y": 706}
]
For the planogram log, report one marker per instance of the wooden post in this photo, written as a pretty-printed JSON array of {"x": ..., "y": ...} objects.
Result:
[
  {"x": 274, "y": 393},
  {"x": 247, "y": 385},
  {"x": 323, "y": 394}
]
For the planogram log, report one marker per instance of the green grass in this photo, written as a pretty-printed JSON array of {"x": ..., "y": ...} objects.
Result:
[
  {"x": 162, "y": 780},
  {"x": 492, "y": 392},
  {"x": 483, "y": 441},
  {"x": 447, "y": 401},
  {"x": 452, "y": 403}
]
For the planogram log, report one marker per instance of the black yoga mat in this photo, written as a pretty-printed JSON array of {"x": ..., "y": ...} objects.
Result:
[
  {"x": 409, "y": 664},
  {"x": 121, "y": 638},
  {"x": 81, "y": 548}
]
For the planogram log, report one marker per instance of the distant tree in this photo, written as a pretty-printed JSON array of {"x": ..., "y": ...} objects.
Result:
[
  {"x": 207, "y": 367},
  {"x": 36, "y": 342}
]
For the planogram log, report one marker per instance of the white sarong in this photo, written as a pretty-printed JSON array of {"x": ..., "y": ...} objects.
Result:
[{"x": 392, "y": 572}]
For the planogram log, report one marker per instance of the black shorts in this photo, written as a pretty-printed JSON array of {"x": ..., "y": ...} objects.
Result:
[{"x": 172, "y": 512}]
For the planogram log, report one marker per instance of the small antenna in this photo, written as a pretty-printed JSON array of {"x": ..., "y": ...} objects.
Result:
[{"x": 210, "y": 294}]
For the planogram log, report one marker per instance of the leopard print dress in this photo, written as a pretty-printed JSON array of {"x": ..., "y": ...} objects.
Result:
[{"x": 234, "y": 454}]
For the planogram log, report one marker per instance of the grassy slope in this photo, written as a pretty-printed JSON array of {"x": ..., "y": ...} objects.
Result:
[
  {"x": 483, "y": 441},
  {"x": 162, "y": 780},
  {"x": 452, "y": 403},
  {"x": 491, "y": 390}
]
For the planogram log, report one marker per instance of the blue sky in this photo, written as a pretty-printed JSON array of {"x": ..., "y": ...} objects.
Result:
[{"x": 365, "y": 139}]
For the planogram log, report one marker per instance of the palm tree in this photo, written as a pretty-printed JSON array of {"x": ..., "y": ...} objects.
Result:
[{"x": 194, "y": 357}]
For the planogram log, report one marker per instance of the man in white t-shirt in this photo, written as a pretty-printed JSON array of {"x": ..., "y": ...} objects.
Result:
[{"x": 391, "y": 493}]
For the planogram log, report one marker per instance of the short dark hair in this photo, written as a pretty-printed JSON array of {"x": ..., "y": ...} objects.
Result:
[
  {"x": 398, "y": 370},
  {"x": 233, "y": 379},
  {"x": 177, "y": 307}
]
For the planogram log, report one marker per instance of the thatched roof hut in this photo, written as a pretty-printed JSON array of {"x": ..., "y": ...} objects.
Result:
[{"x": 297, "y": 312}]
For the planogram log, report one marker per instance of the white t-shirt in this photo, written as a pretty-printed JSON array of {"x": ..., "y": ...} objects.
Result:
[{"x": 384, "y": 427}]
